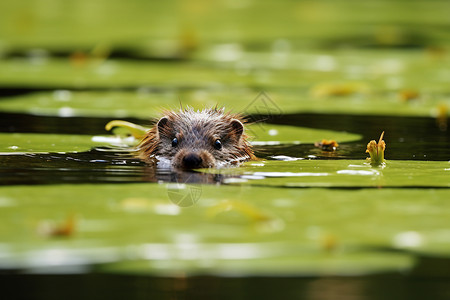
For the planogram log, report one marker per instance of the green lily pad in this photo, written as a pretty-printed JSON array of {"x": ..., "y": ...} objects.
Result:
[
  {"x": 143, "y": 103},
  {"x": 340, "y": 173},
  {"x": 409, "y": 83},
  {"x": 302, "y": 232},
  {"x": 146, "y": 104},
  {"x": 342, "y": 22},
  {"x": 35, "y": 143},
  {"x": 252, "y": 230},
  {"x": 261, "y": 133},
  {"x": 66, "y": 103}
]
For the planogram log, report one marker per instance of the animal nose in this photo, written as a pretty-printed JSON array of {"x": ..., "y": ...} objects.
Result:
[{"x": 192, "y": 161}]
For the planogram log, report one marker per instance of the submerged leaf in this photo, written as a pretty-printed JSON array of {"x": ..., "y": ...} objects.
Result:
[{"x": 135, "y": 130}]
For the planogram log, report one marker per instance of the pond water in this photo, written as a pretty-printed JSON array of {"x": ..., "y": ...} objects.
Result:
[
  {"x": 409, "y": 138},
  {"x": 81, "y": 217}
]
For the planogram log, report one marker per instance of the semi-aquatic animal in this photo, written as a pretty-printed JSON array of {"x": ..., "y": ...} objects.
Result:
[{"x": 191, "y": 139}]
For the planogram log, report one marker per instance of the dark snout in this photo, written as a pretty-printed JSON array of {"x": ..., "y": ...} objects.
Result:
[{"x": 192, "y": 161}]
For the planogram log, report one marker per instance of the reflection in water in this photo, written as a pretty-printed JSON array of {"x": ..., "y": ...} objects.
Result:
[
  {"x": 93, "y": 166},
  {"x": 179, "y": 285},
  {"x": 335, "y": 288}
]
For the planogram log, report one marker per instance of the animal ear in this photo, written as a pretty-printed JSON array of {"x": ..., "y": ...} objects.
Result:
[
  {"x": 162, "y": 124},
  {"x": 238, "y": 127}
]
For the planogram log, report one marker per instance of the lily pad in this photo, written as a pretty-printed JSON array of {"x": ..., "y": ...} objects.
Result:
[
  {"x": 270, "y": 134},
  {"x": 343, "y": 22},
  {"x": 340, "y": 173},
  {"x": 297, "y": 231},
  {"x": 147, "y": 103},
  {"x": 296, "y": 217},
  {"x": 38, "y": 143}
]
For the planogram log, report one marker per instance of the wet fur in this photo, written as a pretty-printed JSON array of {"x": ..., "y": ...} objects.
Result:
[{"x": 196, "y": 132}]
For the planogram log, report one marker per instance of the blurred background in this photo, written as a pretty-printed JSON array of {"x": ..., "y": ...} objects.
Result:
[
  {"x": 226, "y": 52},
  {"x": 177, "y": 28}
]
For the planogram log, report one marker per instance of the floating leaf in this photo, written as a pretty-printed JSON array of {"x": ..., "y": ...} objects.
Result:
[
  {"x": 135, "y": 130},
  {"x": 339, "y": 173},
  {"x": 318, "y": 232},
  {"x": 39, "y": 142}
]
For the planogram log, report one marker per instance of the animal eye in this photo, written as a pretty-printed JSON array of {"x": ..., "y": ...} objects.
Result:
[
  {"x": 174, "y": 142},
  {"x": 218, "y": 145}
]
